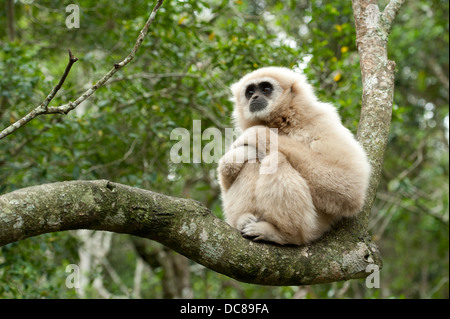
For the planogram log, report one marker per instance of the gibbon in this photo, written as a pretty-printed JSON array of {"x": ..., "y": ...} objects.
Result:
[{"x": 322, "y": 173}]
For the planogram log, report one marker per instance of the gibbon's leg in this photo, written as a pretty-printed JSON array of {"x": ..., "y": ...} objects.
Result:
[
  {"x": 337, "y": 189},
  {"x": 239, "y": 200},
  {"x": 286, "y": 210}
]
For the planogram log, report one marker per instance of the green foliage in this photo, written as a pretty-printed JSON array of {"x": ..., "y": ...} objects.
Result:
[
  {"x": 193, "y": 52},
  {"x": 27, "y": 269}
]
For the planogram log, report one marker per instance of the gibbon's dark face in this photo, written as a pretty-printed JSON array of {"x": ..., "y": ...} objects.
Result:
[{"x": 258, "y": 95}]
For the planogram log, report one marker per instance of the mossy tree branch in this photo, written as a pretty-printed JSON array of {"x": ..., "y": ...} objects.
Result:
[{"x": 185, "y": 226}]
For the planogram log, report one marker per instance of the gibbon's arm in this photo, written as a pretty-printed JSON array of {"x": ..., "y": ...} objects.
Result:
[
  {"x": 244, "y": 149},
  {"x": 336, "y": 188},
  {"x": 232, "y": 162}
]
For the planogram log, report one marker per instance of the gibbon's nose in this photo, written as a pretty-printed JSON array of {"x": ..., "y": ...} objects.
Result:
[
  {"x": 255, "y": 97},
  {"x": 257, "y": 104}
]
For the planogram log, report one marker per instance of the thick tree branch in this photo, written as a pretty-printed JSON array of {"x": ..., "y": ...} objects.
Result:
[
  {"x": 66, "y": 108},
  {"x": 187, "y": 227}
]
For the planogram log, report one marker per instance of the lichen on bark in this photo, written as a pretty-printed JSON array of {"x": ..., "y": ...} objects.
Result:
[{"x": 185, "y": 226}]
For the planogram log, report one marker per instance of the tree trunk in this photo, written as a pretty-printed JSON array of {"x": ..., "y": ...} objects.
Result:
[{"x": 372, "y": 32}]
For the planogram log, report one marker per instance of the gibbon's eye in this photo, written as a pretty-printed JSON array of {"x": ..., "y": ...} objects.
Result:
[
  {"x": 266, "y": 88},
  {"x": 250, "y": 91}
]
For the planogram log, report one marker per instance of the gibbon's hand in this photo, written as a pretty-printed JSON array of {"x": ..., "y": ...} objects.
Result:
[
  {"x": 232, "y": 162},
  {"x": 258, "y": 137},
  {"x": 240, "y": 155}
]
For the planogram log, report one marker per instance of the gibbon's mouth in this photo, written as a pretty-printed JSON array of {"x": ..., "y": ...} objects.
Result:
[{"x": 257, "y": 105}]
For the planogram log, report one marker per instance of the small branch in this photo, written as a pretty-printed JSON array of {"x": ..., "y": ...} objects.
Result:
[
  {"x": 43, "y": 107},
  {"x": 55, "y": 90},
  {"x": 66, "y": 108},
  {"x": 390, "y": 12},
  {"x": 413, "y": 208},
  {"x": 117, "y": 161},
  {"x": 439, "y": 73}
]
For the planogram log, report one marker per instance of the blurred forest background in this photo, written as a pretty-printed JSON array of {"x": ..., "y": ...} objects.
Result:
[{"x": 193, "y": 52}]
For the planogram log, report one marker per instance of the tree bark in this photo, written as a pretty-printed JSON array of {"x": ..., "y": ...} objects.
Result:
[
  {"x": 377, "y": 71},
  {"x": 187, "y": 227}
]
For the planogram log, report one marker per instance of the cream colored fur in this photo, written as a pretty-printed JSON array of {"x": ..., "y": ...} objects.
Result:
[{"x": 322, "y": 172}]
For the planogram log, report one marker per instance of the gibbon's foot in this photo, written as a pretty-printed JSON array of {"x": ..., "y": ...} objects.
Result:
[
  {"x": 263, "y": 231},
  {"x": 244, "y": 220}
]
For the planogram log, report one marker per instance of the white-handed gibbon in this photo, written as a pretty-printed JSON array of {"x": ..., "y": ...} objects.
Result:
[{"x": 322, "y": 173}]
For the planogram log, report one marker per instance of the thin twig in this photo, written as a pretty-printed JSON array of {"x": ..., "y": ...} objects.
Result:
[
  {"x": 66, "y": 108},
  {"x": 389, "y": 13},
  {"x": 43, "y": 107},
  {"x": 55, "y": 90},
  {"x": 117, "y": 161},
  {"x": 414, "y": 208}
]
